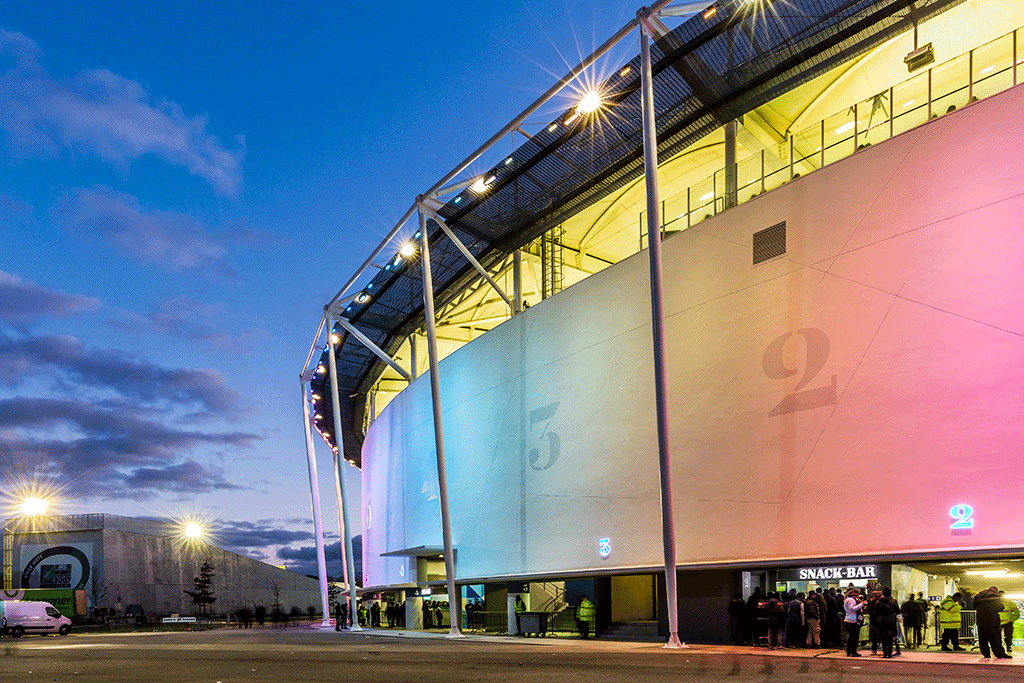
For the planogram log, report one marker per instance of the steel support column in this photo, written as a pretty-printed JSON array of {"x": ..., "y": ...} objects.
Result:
[
  {"x": 731, "y": 185},
  {"x": 658, "y": 327},
  {"x": 341, "y": 522},
  {"x": 517, "y": 281},
  {"x": 454, "y": 606},
  {"x": 347, "y": 532},
  {"x": 314, "y": 495}
]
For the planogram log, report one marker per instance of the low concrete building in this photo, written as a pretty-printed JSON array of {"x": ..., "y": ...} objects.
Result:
[{"x": 122, "y": 561}]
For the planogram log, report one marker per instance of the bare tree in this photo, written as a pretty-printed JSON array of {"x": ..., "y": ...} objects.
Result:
[
  {"x": 97, "y": 591},
  {"x": 275, "y": 590}
]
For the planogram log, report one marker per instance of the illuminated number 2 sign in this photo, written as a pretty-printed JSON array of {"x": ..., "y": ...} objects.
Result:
[
  {"x": 962, "y": 517},
  {"x": 604, "y": 547}
]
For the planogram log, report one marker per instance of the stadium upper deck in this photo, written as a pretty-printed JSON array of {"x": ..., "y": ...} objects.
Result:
[{"x": 809, "y": 82}]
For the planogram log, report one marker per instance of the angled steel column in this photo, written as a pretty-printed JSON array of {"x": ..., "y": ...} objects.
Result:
[
  {"x": 347, "y": 534},
  {"x": 469, "y": 256},
  {"x": 314, "y": 494},
  {"x": 455, "y": 608},
  {"x": 365, "y": 341},
  {"x": 658, "y": 327},
  {"x": 412, "y": 355}
]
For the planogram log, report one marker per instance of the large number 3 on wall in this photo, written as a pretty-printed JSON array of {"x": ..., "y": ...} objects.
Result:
[
  {"x": 538, "y": 416},
  {"x": 816, "y": 355}
]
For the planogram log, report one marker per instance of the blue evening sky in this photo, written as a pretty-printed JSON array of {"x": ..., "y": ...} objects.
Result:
[{"x": 183, "y": 186}]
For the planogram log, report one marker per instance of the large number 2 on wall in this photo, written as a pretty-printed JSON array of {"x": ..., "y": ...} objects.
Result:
[{"x": 817, "y": 350}]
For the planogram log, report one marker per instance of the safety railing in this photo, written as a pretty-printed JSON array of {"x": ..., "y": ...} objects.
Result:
[{"x": 984, "y": 71}]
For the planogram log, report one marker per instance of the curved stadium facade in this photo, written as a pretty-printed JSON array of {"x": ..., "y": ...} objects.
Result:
[{"x": 843, "y": 328}]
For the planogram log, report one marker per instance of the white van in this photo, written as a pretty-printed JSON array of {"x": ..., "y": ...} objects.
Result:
[{"x": 18, "y": 617}]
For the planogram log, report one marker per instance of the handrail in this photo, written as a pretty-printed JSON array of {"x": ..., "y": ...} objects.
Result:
[{"x": 797, "y": 156}]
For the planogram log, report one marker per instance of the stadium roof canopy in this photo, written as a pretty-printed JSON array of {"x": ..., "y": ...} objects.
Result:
[{"x": 712, "y": 68}]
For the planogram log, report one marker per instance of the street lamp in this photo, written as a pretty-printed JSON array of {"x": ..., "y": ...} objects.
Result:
[{"x": 32, "y": 506}]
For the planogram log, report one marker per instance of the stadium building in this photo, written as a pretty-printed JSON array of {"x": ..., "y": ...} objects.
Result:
[
  {"x": 123, "y": 563},
  {"x": 842, "y": 334}
]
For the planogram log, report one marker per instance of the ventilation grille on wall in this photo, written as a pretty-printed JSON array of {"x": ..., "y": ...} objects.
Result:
[{"x": 769, "y": 243}]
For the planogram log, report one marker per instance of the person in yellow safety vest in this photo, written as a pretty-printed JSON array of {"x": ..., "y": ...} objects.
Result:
[
  {"x": 584, "y": 615},
  {"x": 949, "y": 621},
  {"x": 520, "y": 609},
  {"x": 1010, "y": 614}
]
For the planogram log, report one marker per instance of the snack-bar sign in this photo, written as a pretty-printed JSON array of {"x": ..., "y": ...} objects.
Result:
[{"x": 859, "y": 571}]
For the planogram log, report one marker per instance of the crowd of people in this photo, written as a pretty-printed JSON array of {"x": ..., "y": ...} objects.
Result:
[
  {"x": 370, "y": 614},
  {"x": 834, "y": 619}
]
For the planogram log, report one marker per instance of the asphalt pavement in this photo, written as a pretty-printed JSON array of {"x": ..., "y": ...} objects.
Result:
[{"x": 316, "y": 654}]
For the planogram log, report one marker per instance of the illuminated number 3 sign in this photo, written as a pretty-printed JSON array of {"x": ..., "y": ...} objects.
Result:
[
  {"x": 962, "y": 517},
  {"x": 604, "y": 547}
]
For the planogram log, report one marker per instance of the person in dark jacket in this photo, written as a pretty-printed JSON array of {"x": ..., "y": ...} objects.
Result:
[
  {"x": 819, "y": 597},
  {"x": 428, "y": 614},
  {"x": 812, "y": 620},
  {"x": 832, "y": 627},
  {"x": 883, "y": 620},
  {"x": 869, "y": 606},
  {"x": 989, "y": 605},
  {"x": 913, "y": 620},
  {"x": 753, "y": 606},
  {"x": 737, "y": 611},
  {"x": 795, "y": 621},
  {"x": 776, "y": 621}
]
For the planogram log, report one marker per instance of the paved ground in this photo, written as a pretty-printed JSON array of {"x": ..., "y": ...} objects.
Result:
[{"x": 310, "y": 654}]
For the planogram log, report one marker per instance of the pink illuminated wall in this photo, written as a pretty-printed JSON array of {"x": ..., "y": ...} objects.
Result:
[{"x": 838, "y": 400}]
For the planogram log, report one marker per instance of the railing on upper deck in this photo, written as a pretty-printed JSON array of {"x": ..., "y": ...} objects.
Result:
[{"x": 984, "y": 71}]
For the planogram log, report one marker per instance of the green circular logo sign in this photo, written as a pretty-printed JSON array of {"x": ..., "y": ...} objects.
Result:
[{"x": 26, "y": 574}]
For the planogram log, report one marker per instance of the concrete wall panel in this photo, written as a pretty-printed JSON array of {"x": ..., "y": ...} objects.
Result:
[{"x": 872, "y": 369}]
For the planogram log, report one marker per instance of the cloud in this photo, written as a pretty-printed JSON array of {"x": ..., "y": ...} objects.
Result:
[
  {"x": 99, "y": 112},
  {"x": 15, "y": 208},
  {"x": 23, "y": 302},
  {"x": 108, "y": 453},
  {"x": 303, "y": 559},
  {"x": 186, "y": 318},
  {"x": 185, "y": 477},
  {"x": 171, "y": 240},
  {"x": 201, "y": 390},
  {"x": 260, "y": 534}
]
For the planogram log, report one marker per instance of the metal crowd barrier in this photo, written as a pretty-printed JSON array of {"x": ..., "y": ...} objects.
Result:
[{"x": 968, "y": 634}]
